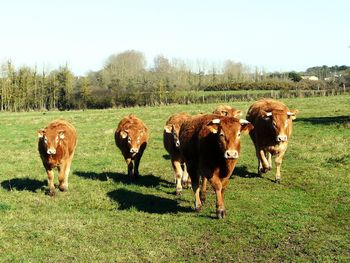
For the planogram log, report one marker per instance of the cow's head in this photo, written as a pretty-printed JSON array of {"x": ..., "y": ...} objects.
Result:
[
  {"x": 228, "y": 131},
  {"x": 51, "y": 139},
  {"x": 133, "y": 138},
  {"x": 225, "y": 110},
  {"x": 280, "y": 123},
  {"x": 174, "y": 131}
]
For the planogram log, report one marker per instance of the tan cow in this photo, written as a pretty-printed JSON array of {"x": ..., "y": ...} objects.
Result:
[
  {"x": 131, "y": 137},
  {"x": 172, "y": 145},
  {"x": 210, "y": 145},
  {"x": 273, "y": 127},
  {"x": 226, "y": 110},
  {"x": 56, "y": 146}
]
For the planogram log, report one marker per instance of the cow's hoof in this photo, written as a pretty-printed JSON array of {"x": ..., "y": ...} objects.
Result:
[
  {"x": 198, "y": 208},
  {"x": 63, "y": 188},
  {"x": 221, "y": 213},
  {"x": 278, "y": 181},
  {"x": 203, "y": 199},
  {"x": 52, "y": 193},
  {"x": 178, "y": 192}
]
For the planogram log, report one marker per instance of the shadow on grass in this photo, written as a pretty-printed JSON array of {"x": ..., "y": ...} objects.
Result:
[
  {"x": 166, "y": 157},
  {"x": 23, "y": 184},
  {"x": 148, "y": 180},
  {"x": 243, "y": 172},
  {"x": 146, "y": 203},
  {"x": 326, "y": 120}
]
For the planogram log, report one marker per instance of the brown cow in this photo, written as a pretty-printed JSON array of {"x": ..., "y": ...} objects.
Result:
[
  {"x": 131, "y": 138},
  {"x": 56, "y": 146},
  {"x": 226, "y": 110},
  {"x": 273, "y": 127},
  {"x": 210, "y": 145},
  {"x": 172, "y": 145}
]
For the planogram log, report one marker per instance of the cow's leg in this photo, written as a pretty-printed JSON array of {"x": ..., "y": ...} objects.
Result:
[
  {"x": 178, "y": 174},
  {"x": 278, "y": 162},
  {"x": 186, "y": 180},
  {"x": 63, "y": 176},
  {"x": 50, "y": 176},
  {"x": 217, "y": 185},
  {"x": 203, "y": 193},
  {"x": 130, "y": 168},
  {"x": 224, "y": 183},
  {"x": 269, "y": 158},
  {"x": 195, "y": 186},
  {"x": 196, "y": 190},
  {"x": 264, "y": 161},
  {"x": 136, "y": 165},
  {"x": 260, "y": 167}
]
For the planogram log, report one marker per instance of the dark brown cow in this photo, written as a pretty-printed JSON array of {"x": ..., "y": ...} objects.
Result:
[
  {"x": 226, "y": 110},
  {"x": 172, "y": 145},
  {"x": 131, "y": 138},
  {"x": 210, "y": 145},
  {"x": 273, "y": 127},
  {"x": 56, "y": 146}
]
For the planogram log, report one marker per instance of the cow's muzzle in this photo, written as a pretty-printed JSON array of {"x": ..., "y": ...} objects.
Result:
[
  {"x": 282, "y": 138},
  {"x": 134, "y": 150},
  {"x": 231, "y": 154},
  {"x": 51, "y": 151}
]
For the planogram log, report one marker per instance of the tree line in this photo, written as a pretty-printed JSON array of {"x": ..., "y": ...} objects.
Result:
[{"x": 125, "y": 81}]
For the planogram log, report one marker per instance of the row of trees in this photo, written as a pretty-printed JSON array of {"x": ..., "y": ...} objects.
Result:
[{"x": 125, "y": 81}]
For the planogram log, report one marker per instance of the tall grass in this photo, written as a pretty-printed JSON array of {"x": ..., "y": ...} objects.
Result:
[{"x": 105, "y": 218}]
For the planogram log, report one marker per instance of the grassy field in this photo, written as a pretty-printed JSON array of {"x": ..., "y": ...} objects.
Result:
[{"x": 105, "y": 218}]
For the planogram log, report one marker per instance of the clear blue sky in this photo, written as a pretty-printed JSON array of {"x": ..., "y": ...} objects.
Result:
[{"x": 271, "y": 34}]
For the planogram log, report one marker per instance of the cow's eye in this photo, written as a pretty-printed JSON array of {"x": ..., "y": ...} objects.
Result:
[
  {"x": 239, "y": 134},
  {"x": 129, "y": 139},
  {"x": 274, "y": 123},
  {"x": 45, "y": 140},
  {"x": 222, "y": 133}
]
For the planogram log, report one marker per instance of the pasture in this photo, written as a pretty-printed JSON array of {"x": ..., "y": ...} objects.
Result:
[{"x": 105, "y": 218}]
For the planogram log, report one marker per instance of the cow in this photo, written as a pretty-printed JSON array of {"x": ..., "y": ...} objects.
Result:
[
  {"x": 273, "y": 127},
  {"x": 172, "y": 145},
  {"x": 56, "y": 147},
  {"x": 226, "y": 110},
  {"x": 210, "y": 145},
  {"x": 131, "y": 137}
]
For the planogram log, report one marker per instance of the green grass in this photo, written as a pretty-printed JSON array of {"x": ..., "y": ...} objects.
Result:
[{"x": 105, "y": 218}]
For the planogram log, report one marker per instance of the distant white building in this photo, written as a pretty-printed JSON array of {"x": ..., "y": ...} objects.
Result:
[{"x": 313, "y": 78}]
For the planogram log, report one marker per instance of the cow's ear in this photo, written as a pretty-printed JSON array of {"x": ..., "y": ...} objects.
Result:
[
  {"x": 214, "y": 125},
  {"x": 292, "y": 114},
  {"x": 167, "y": 128},
  {"x": 61, "y": 134},
  {"x": 123, "y": 134},
  {"x": 246, "y": 126},
  {"x": 41, "y": 133}
]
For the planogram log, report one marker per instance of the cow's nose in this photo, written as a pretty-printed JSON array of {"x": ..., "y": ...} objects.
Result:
[
  {"x": 134, "y": 150},
  {"x": 282, "y": 138},
  {"x": 231, "y": 154},
  {"x": 51, "y": 151}
]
